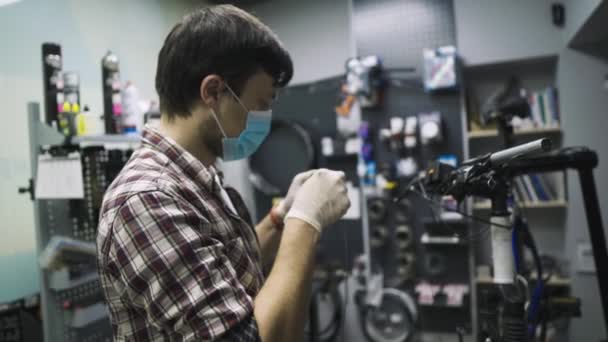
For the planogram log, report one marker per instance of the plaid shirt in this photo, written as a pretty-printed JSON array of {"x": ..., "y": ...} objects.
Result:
[{"x": 176, "y": 262}]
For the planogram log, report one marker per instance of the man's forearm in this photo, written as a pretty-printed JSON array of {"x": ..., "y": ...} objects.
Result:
[
  {"x": 282, "y": 304},
  {"x": 269, "y": 237}
]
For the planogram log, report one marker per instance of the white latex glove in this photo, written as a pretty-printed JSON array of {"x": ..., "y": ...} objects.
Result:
[
  {"x": 283, "y": 207},
  {"x": 321, "y": 200}
]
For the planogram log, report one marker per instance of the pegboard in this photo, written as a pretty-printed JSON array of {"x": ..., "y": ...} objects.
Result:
[
  {"x": 99, "y": 167},
  {"x": 408, "y": 100},
  {"x": 72, "y": 300},
  {"x": 78, "y": 219},
  {"x": 398, "y": 30}
]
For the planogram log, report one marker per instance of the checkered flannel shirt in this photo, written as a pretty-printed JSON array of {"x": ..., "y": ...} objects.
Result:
[{"x": 176, "y": 263}]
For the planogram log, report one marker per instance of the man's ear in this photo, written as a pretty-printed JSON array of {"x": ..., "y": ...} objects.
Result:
[{"x": 211, "y": 88}]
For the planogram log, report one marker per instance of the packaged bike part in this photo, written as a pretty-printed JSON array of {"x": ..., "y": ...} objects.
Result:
[
  {"x": 440, "y": 71},
  {"x": 430, "y": 128}
]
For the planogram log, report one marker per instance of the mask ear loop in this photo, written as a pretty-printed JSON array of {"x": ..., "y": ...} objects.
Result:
[
  {"x": 217, "y": 121},
  {"x": 236, "y": 97}
]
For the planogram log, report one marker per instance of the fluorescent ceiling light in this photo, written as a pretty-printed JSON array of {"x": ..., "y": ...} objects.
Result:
[{"x": 7, "y": 2}]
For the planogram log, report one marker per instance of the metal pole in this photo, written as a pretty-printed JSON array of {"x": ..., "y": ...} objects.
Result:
[{"x": 596, "y": 235}]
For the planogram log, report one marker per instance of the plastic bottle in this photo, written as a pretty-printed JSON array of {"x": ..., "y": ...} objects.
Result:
[{"x": 131, "y": 112}]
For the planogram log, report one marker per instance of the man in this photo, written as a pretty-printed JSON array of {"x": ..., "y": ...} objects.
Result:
[{"x": 178, "y": 259}]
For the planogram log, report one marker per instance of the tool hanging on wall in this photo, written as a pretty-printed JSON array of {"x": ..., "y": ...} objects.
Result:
[
  {"x": 367, "y": 164},
  {"x": 392, "y": 320},
  {"x": 52, "y": 79},
  {"x": 365, "y": 80},
  {"x": 348, "y": 114},
  {"x": 70, "y": 108},
  {"x": 112, "y": 101},
  {"x": 431, "y": 130}
]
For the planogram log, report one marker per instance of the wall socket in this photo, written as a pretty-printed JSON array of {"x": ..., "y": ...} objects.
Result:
[{"x": 584, "y": 258}]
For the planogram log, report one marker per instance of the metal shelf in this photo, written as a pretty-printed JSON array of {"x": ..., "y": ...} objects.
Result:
[
  {"x": 557, "y": 204},
  {"x": 555, "y": 281},
  {"x": 508, "y": 65},
  {"x": 492, "y": 133},
  {"x": 109, "y": 141},
  {"x": 60, "y": 280},
  {"x": 52, "y": 218},
  {"x": 441, "y": 240}
]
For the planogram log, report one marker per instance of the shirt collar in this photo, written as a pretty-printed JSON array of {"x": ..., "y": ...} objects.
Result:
[{"x": 191, "y": 166}]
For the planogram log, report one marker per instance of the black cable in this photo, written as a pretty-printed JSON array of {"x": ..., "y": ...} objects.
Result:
[
  {"x": 346, "y": 294},
  {"x": 530, "y": 243},
  {"x": 472, "y": 217},
  {"x": 338, "y": 323},
  {"x": 521, "y": 211},
  {"x": 470, "y": 237},
  {"x": 333, "y": 329},
  {"x": 543, "y": 328},
  {"x": 437, "y": 219},
  {"x": 406, "y": 189},
  {"x": 334, "y": 325}
]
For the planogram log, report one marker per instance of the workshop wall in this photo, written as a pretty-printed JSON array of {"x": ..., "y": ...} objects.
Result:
[
  {"x": 419, "y": 25},
  {"x": 577, "y": 11},
  {"x": 134, "y": 30},
  {"x": 495, "y": 31},
  {"x": 582, "y": 81},
  {"x": 583, "y": 91},
  {"x": 314, "y": 30}
]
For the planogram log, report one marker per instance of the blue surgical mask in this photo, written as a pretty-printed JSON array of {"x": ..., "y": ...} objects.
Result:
[{"x": 257, "y": 129}]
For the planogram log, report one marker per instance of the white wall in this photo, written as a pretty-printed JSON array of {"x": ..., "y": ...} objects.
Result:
[
  {"x": 317, "y": 34},
  {"x": 493, "y": 31},
  {"x": 584, "y": 99},
  {"x": 133, "y": 29},
  {"x": 577, "y": 11}
]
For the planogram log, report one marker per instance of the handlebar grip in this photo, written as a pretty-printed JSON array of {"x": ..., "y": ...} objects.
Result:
[{"x": 501, "y": 157}]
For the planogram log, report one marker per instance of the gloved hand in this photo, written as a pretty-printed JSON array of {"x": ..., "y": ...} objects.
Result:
[
  {"x": 321, "y": 200},
  {"x": 283, "y": 207}
]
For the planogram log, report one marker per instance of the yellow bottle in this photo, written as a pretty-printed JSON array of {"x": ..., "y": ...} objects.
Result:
[{"x": 81, "y": 124}]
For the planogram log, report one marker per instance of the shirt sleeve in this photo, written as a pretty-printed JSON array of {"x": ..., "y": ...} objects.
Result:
[{"x": 177, "y": 275}]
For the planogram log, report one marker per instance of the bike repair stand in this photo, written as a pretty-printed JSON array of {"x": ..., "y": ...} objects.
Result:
[
  {"x": 584, "y": 161},
  {"x": 496, "y": 187}
]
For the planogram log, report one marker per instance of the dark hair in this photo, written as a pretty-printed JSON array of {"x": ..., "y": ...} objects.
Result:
[{"x": 222, "y": 40}]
